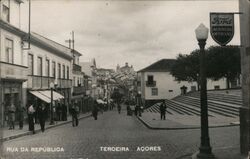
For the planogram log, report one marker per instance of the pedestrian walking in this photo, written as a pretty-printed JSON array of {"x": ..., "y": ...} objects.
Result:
[
  {"x": 64, "y": 112},
  {"x": 11, "y": 116},
  {"x": 31, "y": 113},
  {"x": 119, "y": 108},
  {"x": 42, "y": 115},
  {"x": 136, "y": 110},
  {"x": 163, "y": 109},
  {"x": 20, "y": 115},
  {"x": 59, "y": 112},
  {"x": 95, "y": 110},
  {"x": 74, "y": 114}
]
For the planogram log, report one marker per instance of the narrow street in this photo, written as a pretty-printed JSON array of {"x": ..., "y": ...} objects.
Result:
[{"x": 96, "y": 139}]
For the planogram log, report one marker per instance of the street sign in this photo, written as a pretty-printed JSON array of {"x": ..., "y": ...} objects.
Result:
[{"x": 222, "y": 27}]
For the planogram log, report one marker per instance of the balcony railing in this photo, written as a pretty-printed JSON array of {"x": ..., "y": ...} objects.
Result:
[
  {"x": 40, "y": 82},
  {"x": 13, "y": 71},
  {"x": 77, "y": 67},
  {"x": 150, "y": 83}
]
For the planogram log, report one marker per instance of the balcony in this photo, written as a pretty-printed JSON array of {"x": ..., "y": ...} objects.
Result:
[
  {"x": 40, "y": 82},
  {"x": 77, "y": 68},
  {"x": 150, "y": 83},
  {"x": 13, "y": 72},
  {"x": 79, "y": 90}
]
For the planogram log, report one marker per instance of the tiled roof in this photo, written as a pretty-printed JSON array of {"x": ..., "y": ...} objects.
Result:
[{"x": 163, "y": 65}]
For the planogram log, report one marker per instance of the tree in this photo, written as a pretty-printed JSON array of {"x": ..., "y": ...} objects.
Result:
[
  {"x": 186, "y": 67},
  {"x": 223, "y": 62}
]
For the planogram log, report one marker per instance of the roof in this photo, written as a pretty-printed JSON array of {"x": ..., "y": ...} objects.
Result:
[
  {"x": 50, "y": 44},
  {"x": 19, "y": 1},
  {"x": 76, "y": 52},
  {"x": 6, "y": 26},
  {"x": 163, "y": 65}
]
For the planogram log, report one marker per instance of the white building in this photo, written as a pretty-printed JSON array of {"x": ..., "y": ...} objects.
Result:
[
  {"x": 13, "y": 68},
  {"x": 48, "y": 63},
  {"x": 90, "y": 70},
  {"x": 156, "y": 83}
]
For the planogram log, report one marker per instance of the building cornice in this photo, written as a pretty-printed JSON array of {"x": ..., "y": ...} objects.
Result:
[
  {"x": 6, "y": 26},
  {"x": 19, "y": 1},
  {"x": 46, "y": 46}
]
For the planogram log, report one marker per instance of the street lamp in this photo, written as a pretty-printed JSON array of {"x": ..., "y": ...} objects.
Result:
[
  {"x": 205, "y": 148},
  {"x": 52, "y": 85}
]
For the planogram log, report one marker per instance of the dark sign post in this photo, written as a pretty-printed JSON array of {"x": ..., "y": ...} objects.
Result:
[{"x": 222, "y": 27}]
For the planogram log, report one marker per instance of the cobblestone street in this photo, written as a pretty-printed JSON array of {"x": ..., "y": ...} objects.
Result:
[{"x": 117, "y": 130}]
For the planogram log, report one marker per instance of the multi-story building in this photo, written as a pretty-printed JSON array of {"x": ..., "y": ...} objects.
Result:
[
  {"x": 79, "y": 83},
  {"x": 49, "y": 65},
  {"x": 13, "y": 68},
  {"x": 90, "y": 71}
]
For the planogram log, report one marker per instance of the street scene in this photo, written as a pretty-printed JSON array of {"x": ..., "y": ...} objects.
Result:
[{"x": 124, "y": 79}]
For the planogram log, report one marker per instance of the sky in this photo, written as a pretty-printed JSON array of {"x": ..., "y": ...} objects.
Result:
[{"x": 138, "y": 32}]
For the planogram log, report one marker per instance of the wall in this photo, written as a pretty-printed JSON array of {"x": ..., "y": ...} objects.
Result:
[
  {"x": 166, "y": 82},
  {"x": 38, "y": 52},
  {"x": 19, "y": 56},
  {"x": 14, "y": 7}
]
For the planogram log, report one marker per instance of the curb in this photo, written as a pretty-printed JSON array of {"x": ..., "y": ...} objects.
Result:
[
  {"x": 181, "y": 128},
  {"x": 39, "y": 130}
]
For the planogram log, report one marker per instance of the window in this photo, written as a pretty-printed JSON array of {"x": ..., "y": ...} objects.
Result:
[
  {"x": 39, "y": 66},
  {"x": 63, "y": 69},
  {"x": 9, "y": 51},
  {"x": 154, "y": 91},
  {"x": 54, "y": 69},
  {"x": 67, "y": 72},
  {"x": 30, "y": 64},
  {"x": 6, "y": 13},
  {"x": 150, "y": 79},
  {"x": 59, "y": 71},
  {"x": 47, "y": 68}
]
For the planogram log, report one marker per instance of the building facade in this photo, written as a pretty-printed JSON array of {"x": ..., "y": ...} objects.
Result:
[
  {"x": 79, "y": 83},
  {"x": 13, "y": 68},
  {"x": 156, "y": 83},
  {"x": 49, "y": 69}
]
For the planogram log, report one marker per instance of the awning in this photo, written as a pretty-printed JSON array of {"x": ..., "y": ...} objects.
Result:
[
  {"x": 41, "y": 96},
  {"x": 56, "y": 96},
  {"x": 46, "y": 95}
]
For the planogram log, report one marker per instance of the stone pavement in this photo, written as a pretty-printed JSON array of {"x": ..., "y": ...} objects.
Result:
[
  {"x": 116, "y": 130},
  {"x": 178, "y": 121},
  {"x": 12, "y": 134},
  {"x": 175, "y": 122}
]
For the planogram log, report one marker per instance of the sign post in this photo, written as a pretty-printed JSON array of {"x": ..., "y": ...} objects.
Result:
[
  {"x": 222, "y": 27},
  {"x": 244, "y": 7}
]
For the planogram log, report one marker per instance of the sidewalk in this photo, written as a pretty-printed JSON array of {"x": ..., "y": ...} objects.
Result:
[
  {"x": 12, "y": 134},
  {"x": 177, "y": 121},
  {"x": 222, "y": 153}
]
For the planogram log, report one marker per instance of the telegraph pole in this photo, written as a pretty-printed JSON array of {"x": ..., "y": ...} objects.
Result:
[
  {"x": 71, "y": 41},
  {"x": 244, "y": 8}
]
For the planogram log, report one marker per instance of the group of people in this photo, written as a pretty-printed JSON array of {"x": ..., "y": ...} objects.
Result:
[
  {"x": 14, "y": 112},
  {"x": 41, "y": 112},
  {"x": 36, "y": 114}
]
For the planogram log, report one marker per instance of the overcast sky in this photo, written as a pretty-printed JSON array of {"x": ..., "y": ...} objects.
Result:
[{"x": 137, "y": 32}]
